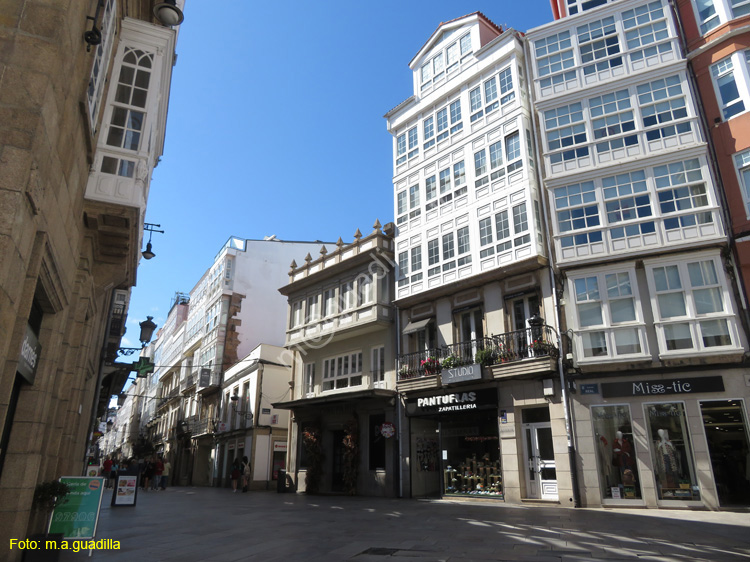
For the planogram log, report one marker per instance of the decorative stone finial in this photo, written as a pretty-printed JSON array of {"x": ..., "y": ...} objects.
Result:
[
  {"x": 308, "y": 258},
  {"x": 323, "y": 251},
  {"x": 339, "y": 242},
  {"x": 293, "y": 265},
  {"x": 377, "y": 225},
  {"x": 357, "y": 235}
]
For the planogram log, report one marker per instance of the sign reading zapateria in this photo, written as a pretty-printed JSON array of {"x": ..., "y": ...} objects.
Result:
[{"x": 454, "y": 402}]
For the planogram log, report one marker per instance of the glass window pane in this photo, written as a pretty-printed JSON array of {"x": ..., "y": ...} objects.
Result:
[
  {"x": 590, "y": 314},
  {"x": 622, "y": 310},
  {"x": 715, "y": 333},
  {"x": 594, "y": 344},
  {"x": 626, "y": 341},
  {"x": 678, "y": 336},
  {"x": 616, "y": 452},
  {"x": 671, "y": 452},
  {"x": 708, "y": 300},
  {"x": 671, "y": 305}
]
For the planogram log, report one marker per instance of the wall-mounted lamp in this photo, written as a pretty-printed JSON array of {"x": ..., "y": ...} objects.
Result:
[
  {"x": 247, "y": 414},
  {"x": 147, "y": 332},
  {"x": 150, "y": 228},
  {"x": 94, "y": 35},
  {"x": 168, "y": 13}
]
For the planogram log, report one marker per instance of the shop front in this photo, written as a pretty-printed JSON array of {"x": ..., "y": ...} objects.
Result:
[
  {"x": 667, "y": 441},
  {"x": 455, "y": 447}
]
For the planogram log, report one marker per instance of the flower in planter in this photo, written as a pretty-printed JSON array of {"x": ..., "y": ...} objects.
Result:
[
  {"x": 451, "y": 361},
  {"x": 431, "y": 365}
]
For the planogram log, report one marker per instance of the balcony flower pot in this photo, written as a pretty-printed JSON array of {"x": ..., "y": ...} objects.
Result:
[{"x": 430, "y": 365}]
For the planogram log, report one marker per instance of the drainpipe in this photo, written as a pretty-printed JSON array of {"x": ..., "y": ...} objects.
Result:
[
  {"x": 399, "y": 409},
  {"x": 564, "y": 397}
]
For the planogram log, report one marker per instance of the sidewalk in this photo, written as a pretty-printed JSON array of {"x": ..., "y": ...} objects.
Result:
[{"x": 210, "y": 524}]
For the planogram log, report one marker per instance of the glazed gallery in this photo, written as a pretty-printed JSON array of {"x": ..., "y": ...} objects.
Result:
[{"x": 665, "y": 441}]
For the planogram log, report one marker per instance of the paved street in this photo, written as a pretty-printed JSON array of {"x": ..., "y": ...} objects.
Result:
[{"x": 210, "y": 524}]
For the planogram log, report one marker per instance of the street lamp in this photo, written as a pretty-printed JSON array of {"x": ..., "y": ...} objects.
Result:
[
  {"x": 247, "y": 414},
  {"x": 148, "y": 253},
  {"x": 168, "y": 13}
]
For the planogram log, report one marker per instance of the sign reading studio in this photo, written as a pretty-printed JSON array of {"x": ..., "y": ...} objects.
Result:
[{"x": 454, "y": 402}]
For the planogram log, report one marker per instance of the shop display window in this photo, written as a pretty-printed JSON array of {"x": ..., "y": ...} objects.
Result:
[
  {"x": 618, "y": 469},
  {"x": 471, "y": 457},
  {"x": 671, "y": 452}
]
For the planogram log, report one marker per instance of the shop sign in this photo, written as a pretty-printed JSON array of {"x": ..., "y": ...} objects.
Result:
[
  {"x": 590, "y": 388},
  {"x": 205, "y": 378},
  {"x": 28, "y": 359},
  {"x": 455, "y": 402},
  {"x": 77, "y": 517},
  {"x": 657, "y": 388},
  {"x": 462, "y": 374},
  {"x": 279, "y": 446}
]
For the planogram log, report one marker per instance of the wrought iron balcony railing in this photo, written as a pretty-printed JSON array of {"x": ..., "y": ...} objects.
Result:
[{"x": 531, "y": 343}]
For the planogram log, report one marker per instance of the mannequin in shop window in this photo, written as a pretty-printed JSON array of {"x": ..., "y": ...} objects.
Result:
[
  {"x": 666, "y": 460},
  {"x": 623, "y": 459}
]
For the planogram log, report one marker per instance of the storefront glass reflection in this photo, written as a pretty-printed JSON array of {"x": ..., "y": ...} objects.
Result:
[
  {"x": 618, "y": 470},
  {"x": 471, "y": 463},
  {"x": 669, "y": 442}
]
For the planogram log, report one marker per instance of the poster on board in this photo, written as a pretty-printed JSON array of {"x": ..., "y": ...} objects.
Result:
[
  {"x": 77, "y": 517},
  {"x": 126, "y": 490}
]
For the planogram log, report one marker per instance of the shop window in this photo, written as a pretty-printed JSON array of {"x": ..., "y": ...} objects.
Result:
[
  {"x": 615, "y": 449},
  {"x": 470, "y": 445},
  {"x": 377, "y": 442},
  {"x": 671, "y": 452}
]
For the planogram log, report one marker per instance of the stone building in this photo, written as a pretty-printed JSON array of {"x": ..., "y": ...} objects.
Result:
[{"x": 84, "y": 89}]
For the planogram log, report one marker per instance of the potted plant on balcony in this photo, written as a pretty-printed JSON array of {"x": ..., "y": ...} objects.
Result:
[
  {"x": 451, "y": 362},
  {"x": 503, "y": 353},
  {"x": 430, "y": 365},
  {"x": 541, "y": 347},
  {"x": 403, "y": 372},
  {"x": 486, "y": 357}
]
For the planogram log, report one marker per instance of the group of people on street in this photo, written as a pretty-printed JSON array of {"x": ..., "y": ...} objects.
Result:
[
  {"x": 155, "y": 473},
  {"x": 240, "y": 469}
]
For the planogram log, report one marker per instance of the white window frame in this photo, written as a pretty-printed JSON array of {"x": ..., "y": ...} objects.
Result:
[
  {"x": 309, "y": 381},
  {"x": 691, "y": 317},
  {"x": 736, "y": 66},
  {"x": 377, "y": 367},
  {"x": 100, "y": 66},
  {"x": 742, "y": 165},
  {"x": 607, "y": 327},
  {"x": 342, "y": 372}
]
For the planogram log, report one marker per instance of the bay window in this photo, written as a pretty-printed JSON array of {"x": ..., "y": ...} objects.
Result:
[
  {"x": 608, "y": 319},
  {"x": 691, "y": 305}
]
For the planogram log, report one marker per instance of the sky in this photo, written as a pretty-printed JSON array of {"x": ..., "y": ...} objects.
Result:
[{"x": 276, "y": 126}]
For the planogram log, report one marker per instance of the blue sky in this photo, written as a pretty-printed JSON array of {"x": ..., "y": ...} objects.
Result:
[{"x": 276, "y": 126}]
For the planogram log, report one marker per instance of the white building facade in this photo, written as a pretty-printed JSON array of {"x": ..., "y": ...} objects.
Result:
[
  {"x": 474, "y": 288},
  {"x": 647, "y": 296}
]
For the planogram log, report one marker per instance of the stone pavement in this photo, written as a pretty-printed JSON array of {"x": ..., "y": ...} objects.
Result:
[{"x": 211, "y": 524}]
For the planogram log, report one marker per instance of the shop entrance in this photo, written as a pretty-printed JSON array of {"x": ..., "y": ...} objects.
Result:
[
  {"x": 725, "y": 426},
  {"x": 541, "y": 473},
  {"x": 337, "y": 467}
]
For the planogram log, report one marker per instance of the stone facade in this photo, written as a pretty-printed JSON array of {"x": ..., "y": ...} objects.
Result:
[{"x": 61, "y": 255}]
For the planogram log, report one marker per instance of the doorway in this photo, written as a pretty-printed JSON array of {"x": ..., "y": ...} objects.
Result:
[
  {"x": 520, "y": 310},
  {"x": 725, "y": 425},
  {"x": 540, "y": 470},
  {"x": 337, "y": 468}
]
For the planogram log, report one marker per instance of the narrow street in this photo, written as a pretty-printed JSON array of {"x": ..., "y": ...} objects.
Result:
[{"x": 211, "y": 524}]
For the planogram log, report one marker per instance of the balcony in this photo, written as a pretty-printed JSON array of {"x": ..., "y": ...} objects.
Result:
[{"x": 508, "y": 354}]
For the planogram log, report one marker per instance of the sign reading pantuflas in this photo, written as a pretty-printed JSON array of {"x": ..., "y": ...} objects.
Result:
[{"x": 455, "y": 402}]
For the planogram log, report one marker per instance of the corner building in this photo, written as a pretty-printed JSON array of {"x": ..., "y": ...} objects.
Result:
[
  {"x": 655, "y": 348},
  {"x": 477, "y": 362}
]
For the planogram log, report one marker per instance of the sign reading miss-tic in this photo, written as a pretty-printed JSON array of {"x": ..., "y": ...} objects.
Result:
[{"x": 664, "y": 386}]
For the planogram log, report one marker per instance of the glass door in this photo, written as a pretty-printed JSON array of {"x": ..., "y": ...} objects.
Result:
[
  {"x": 521, "y": 310},
  {"x": 541, "y": 473}
]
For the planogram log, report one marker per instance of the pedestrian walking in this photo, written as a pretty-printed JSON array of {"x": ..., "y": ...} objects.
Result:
[
  {"x": 158, "y": 470},
  {"x": 245, "y": 474},
  {"x": 107, "y": 470},
  {"x": 235, "y": 473},
  {"x": 165, "y": 474}
]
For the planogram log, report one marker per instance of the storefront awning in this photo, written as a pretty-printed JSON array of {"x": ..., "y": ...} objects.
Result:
[
  {"x": 341, "y": 397},
  {"x": 412, "y": 327}
]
